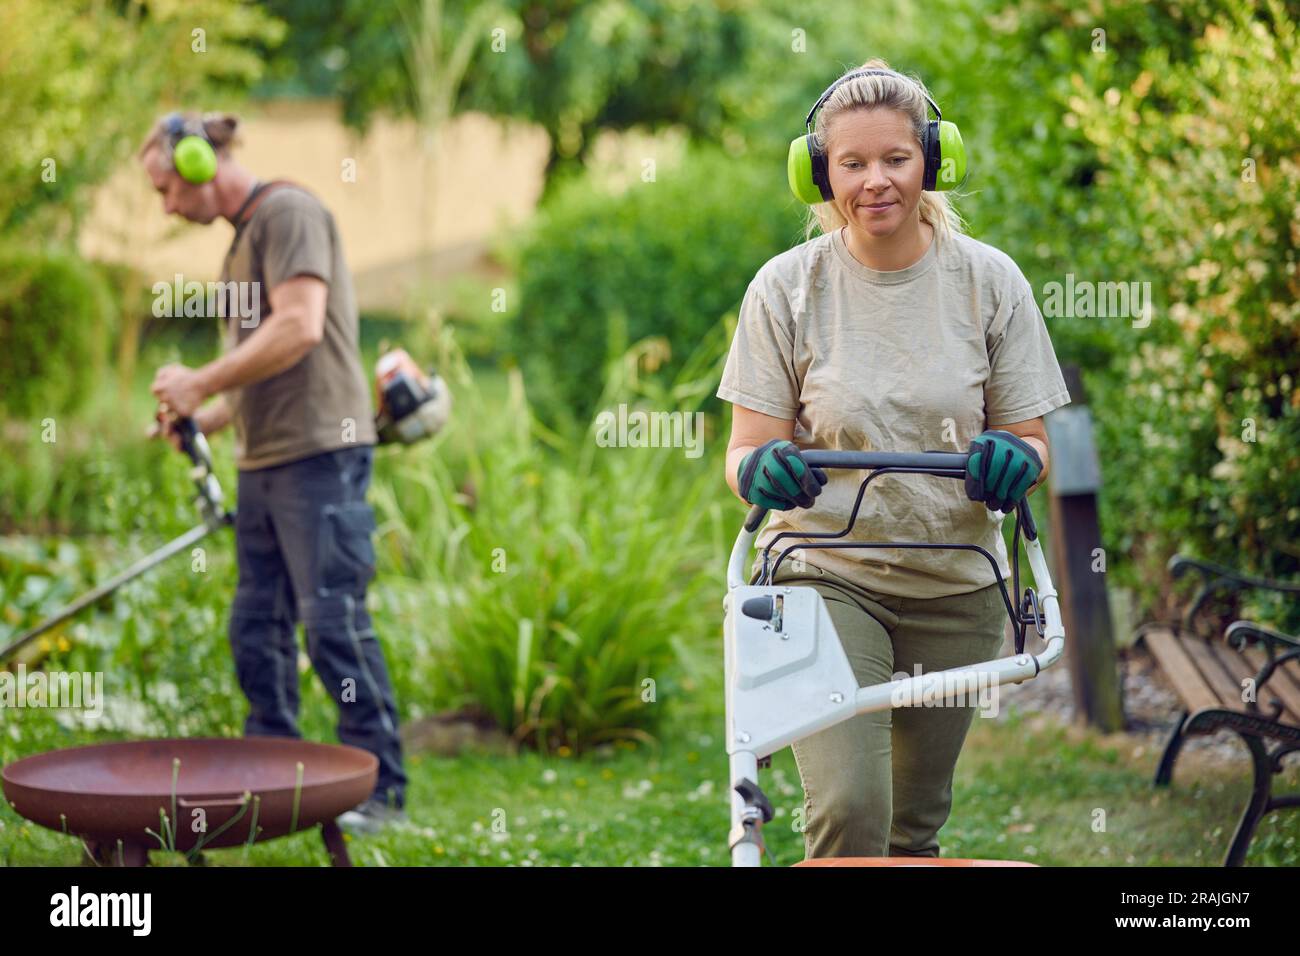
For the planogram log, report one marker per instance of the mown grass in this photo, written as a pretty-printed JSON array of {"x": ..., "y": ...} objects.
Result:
[
  {"x": 1030, "y": 788},
  {"x": 600, "y": 573},
  {"x": 1025, "y": 789}
]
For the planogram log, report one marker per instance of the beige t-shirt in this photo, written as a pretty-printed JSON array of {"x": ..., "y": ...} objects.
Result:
[
  {"x": 917, "y": 359},
  {"x": 322, "y": 403}
]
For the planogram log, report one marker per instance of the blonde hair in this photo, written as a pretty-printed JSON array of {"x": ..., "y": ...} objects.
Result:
[
  {"x": 906, "y": 94},
  {"x": 219, "y": 127}
]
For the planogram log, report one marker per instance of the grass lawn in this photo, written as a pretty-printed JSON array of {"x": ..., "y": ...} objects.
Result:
[{"x": 1025, "y": 789}]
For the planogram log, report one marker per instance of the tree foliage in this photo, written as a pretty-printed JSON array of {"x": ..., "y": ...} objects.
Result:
[{"x": 83, "y": 81}]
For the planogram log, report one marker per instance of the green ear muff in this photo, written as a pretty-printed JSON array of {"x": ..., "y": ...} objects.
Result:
[
  {"x": 951, "y": 171},
  {"x": 942, "y": 146},
  {"x": 193, "y": 156},
  {"x": 799, "y": 171},
  {"x": 195, "y": 159}
]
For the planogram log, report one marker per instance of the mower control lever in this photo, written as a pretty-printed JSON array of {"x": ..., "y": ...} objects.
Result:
[{"x": 766, "y": 608}]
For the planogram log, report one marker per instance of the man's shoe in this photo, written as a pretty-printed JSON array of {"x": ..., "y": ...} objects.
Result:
[{"x": 371, "y": 817}]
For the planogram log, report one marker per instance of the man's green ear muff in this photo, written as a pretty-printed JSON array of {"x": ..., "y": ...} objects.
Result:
[
  {"x": 195, "y": 159},
  {"x": 192, "y": 152},
  {"x": 941, "y": 144}
]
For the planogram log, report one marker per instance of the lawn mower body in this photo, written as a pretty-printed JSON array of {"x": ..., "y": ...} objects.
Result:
[{"x": 787, "y": 676}]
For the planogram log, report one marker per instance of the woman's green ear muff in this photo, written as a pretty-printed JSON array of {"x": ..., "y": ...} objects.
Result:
[
  {"x": 192, "y": 153},
  {"x": 945, "y": 153},
  {"x": 947, "y": 170},
  {"x": 804, "y": 181}
]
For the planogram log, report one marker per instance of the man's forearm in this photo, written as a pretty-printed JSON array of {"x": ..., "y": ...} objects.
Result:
[
  {"x": 213, "y": 416},
  {"x": 279, "y": 343}
]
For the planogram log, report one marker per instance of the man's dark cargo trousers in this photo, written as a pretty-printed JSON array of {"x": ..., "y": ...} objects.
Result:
[{"x": 303, "y": 538}]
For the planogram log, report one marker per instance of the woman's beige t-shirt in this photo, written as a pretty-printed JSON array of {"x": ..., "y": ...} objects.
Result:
[{"x": 917, "y": 359}]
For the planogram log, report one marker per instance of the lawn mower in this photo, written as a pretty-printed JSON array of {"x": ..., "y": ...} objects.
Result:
[{"x": 787, "y": 675}]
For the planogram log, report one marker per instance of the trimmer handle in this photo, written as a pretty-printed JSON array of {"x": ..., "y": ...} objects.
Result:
[
  {"x": 943, "y": 464},
  {"x": 195, "y": 446},
  {"x": 193, "y": 443}
]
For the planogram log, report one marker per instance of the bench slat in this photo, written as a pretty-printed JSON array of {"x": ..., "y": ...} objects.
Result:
[
  {"x": 1216, "y": 675},
  {"x": 1242, "y": 669},
  {"x": 1174, "y": 660},
  {"x": 1280, "y": 685}
]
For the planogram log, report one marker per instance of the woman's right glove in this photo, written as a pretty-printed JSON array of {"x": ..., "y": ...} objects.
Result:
[{"x": 775, "y": 476}]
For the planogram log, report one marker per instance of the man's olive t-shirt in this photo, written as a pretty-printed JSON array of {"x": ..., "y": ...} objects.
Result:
[
  {"x": 923, "y": 358},
  {"x": 322, "y": 403}
]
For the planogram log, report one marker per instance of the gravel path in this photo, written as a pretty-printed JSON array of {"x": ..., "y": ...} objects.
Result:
[{"x": 1151, "y": 709}]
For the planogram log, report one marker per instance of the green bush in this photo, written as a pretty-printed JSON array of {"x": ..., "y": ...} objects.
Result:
[
  {"x": 666, "y": 258},
  {"x": 55, "y": 316},
  {"x": 1036, "y": 188},
  {"x": 102, "y": 475},
  {"x": 534, "y": 576},
  {"x": 83, "y": 82},
  {"x": 569, "y": 590},
  {"x": 1202, "y": 436},
  {"x": 1108, "y": 141}
]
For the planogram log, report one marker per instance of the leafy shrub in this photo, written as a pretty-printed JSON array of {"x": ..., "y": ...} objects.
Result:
[
  {"x": 568, "y": 590},
  {"x": 525, "y": 573},
  {"x": 1038, "y": 186},
  {"x": 55, "y": 313},
  {"x": 84, "y": 81},
  {"x": 1207, "y": 423},
  {"x": 1108, "y": 141},
  {"x": 664, "y": 259}
]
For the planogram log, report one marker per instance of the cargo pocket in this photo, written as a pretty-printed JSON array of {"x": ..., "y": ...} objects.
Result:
[{"x": 347, "y": 559}]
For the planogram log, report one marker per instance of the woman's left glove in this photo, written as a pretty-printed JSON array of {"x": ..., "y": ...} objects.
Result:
[{"x": 1000, "y": 469}]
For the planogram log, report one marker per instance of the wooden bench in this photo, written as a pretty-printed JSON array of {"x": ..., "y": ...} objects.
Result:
[{"x": 1248, "y": 682}]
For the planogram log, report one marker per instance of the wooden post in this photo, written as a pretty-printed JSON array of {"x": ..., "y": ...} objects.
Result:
[{"x": 1076, "y": 548}]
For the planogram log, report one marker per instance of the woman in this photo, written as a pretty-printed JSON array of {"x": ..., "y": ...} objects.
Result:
[{"x": 890, "y": 331}]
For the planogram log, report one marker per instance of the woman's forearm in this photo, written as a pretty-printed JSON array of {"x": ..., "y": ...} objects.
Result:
[
  {"x": 734, "y": 457},
  {"x": 1040, "y": 446}
]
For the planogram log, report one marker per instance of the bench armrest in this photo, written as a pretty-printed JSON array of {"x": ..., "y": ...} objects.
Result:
[
  {"x": 1217, "y": 577},
  {"x": 1240, "y": 633}
]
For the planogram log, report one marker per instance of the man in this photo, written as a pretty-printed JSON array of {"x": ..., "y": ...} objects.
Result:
[{"x": 290, "y": 380}]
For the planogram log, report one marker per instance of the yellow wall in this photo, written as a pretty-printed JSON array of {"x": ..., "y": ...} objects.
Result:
[{"x": 488, "y": 176}]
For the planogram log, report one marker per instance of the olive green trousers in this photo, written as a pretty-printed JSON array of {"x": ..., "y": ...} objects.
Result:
[{"x": 880, "y": 784}]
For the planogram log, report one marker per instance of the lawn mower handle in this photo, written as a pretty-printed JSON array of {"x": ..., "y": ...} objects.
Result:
[{"x": 944, "y": 464}]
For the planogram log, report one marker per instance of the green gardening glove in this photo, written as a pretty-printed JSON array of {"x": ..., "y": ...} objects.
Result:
[
  {"x": 1000, "y": 469},
  {"x": 775, "y": 476}
]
